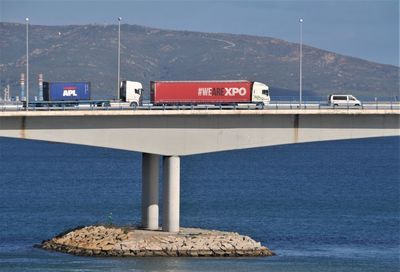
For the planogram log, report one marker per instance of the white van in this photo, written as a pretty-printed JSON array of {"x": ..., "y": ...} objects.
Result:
[{"x": 343, "y": 100}]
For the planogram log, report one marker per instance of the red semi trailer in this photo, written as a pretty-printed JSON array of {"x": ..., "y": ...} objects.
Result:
[{"x": 208, "y": 92}]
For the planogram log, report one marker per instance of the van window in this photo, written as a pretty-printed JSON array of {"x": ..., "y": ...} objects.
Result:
[{"x": 339, "y": 98}]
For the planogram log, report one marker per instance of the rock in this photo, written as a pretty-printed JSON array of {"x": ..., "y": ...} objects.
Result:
[{"x": 114, "y": 241}]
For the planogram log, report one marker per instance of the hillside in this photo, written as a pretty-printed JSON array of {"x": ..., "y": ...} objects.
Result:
[{"x": 89, "y": 53}]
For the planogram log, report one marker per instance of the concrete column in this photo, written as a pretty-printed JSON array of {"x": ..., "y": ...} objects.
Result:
[
  {"x": 171, "y": 168},
  {"x": 150, "y": 174}
]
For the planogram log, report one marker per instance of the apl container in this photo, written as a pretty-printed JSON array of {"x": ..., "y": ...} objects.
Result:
[{"x": 66, "y": 91}]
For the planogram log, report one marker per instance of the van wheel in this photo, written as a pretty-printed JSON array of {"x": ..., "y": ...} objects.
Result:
[
  {"x": 335, "y": 105},
  {"x": 357, "y": 105}
]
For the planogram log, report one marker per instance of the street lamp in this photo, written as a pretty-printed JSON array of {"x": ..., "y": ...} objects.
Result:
[
  {"x": 119, "y": 56},
  {"x": 301, "y": 58},
  {"x": 27, "y": 63}
]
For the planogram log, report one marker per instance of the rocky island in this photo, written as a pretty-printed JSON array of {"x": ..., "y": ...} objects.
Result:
[{"x": 130, "y": 241}]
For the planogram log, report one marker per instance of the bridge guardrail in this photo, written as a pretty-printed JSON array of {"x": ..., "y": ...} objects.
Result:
[{"x": 281, "y": 103}]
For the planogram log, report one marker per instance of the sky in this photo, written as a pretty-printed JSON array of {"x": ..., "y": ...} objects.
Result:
[{"x": 367, "y": 29}]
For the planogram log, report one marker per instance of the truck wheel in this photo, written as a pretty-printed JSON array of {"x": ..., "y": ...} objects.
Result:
[{"x": 134, "y": 104}]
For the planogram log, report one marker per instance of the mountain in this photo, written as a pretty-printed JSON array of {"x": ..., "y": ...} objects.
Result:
[{"x": 89, "y": 53}]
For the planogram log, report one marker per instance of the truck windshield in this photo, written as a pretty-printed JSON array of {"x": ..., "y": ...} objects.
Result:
[{"x": 264, "y": 92}]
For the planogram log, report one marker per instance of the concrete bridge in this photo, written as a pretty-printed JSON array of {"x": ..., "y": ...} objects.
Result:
[{"x": 175, "y": 133}]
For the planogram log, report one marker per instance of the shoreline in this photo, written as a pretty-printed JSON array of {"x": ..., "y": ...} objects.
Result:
[{"x": 117, "y": 241}]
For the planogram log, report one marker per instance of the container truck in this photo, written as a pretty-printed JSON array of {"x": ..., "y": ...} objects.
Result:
[
  {"x": 208, "y": 92},
  {"x": 130, "y": 91},
  {"x": 78, "y": 94}
]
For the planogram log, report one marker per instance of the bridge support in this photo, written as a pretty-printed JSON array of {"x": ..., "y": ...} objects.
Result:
[
  {"x": 150, "y": 174},
  {"x": 171, "y": 165}
]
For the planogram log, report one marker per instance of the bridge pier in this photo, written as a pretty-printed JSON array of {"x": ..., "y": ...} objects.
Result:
[
  {"x": 150, "y": 175},
  {"x": 171, "y": 177}
]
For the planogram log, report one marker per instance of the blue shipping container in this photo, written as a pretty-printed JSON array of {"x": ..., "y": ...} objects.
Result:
[{"x": 66, "y": 91}]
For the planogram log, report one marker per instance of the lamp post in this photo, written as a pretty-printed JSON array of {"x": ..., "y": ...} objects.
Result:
[
  {"x": 27, "y": 63},
  {"x": 301, "y": 59},
  {"x": 119, "y": 56}
]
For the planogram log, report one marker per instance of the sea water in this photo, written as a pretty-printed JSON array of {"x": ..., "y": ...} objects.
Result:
[{"x": 326, "y": 206}]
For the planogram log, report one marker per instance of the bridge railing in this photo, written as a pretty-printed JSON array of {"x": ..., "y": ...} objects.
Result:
[{"x": 277, "y": 103}]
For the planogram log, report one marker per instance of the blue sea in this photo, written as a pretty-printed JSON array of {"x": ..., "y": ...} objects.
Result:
[{"x": 325, "y": 206}]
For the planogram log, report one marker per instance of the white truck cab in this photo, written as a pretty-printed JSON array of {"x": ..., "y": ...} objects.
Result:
[
  {"x": 343, "y": 100},
  {"x": 260, "y": 93},
  {"x": 131, "y": 92}
]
